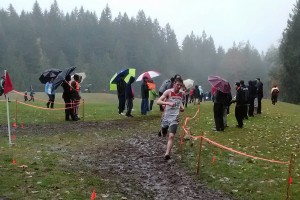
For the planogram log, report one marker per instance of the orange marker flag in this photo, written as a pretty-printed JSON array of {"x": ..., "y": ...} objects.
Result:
[
  {"x": 13, "y": 137},
  {"x": 93, "y": 196},
  {"x": 14, "y": 124},
  {"x": 14, "y": 161},
  {"x": 213, "y": 160},
  {"x": 290, "y": 181},
  {"x": 22, "y": 125}
]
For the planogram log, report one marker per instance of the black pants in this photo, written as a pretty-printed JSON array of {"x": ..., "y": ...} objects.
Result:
[
  {"x": 51, "y": 100},
  {"x": 129, "y": 104},
  {"x": 160, "y": 106},
  {"x": 218, "y": 115},
  {"x": 68, "y": 109},
  {"x": 122, "y": 101},
  {"x": 259, "y": 98},
  {"x": 186, "y": 99},
  {"x": 274, "y": 98},
  {"x": 245, "y": 111},
  {"x": 151, "y": 104},
  {"x": 251, "y": 107},
  {"x": 239, "y": 115}
]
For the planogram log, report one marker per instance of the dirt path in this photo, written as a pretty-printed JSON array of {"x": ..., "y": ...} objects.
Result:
[
  {"x": 144, "y": 174},
  {"x": 137, "y": 164}
]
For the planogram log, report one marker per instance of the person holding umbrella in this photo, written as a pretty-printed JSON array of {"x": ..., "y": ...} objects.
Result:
[
  {"x": 121, "y": 87},
  {"x": 67, "y": 99},
  {"x": 50, "y": 92}
]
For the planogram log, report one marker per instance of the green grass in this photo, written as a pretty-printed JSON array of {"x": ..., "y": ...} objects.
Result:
[
  {"x": 50, "y": 174},
  {"x": 272, "y": 135}
]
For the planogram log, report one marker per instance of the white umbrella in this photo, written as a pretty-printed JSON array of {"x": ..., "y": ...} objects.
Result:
[
  {"x": 148, "y": 74},
  {"x": 81, "y": 74},
  {"x": 188, "y": 83}
]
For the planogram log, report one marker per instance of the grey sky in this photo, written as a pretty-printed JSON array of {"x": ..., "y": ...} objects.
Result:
[{"x": 259, "y": 21}]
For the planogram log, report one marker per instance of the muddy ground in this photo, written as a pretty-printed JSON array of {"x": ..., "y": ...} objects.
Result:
[{"x": 137, "y": 164}]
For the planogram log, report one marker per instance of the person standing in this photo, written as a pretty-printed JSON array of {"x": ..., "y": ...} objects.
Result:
[
  {"x": 129, "y": 95},
  {"x": 226, "y": 108},
  {"x": 152, "y": 93},
  {"x": 172, "y": 99},
  {"x": 145, "y": 96},
  {"x": 219, "y": 103},
  {"x": 239, "y": 102},
  {"x": 246, "y": 98},
  {"x": 200, "y": 93},
  {"x": 75, "y": 96},
  {"x": 49, "y": 90},
  {"x": 252, "y": 94},
  {"x": 121, "y": 86},
  {"x": 67, "y": 99},
  {"x": 260, "y": 94}
]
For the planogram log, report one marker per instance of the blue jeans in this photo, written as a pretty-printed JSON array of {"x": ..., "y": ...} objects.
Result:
[{"x": 144, "y": 106}]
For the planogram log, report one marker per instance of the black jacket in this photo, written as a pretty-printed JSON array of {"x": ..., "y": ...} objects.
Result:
[
  {"x": 144, "y": 90},
  {"x": 121, "y": 85},
  {"x": 128, "y": 89}
]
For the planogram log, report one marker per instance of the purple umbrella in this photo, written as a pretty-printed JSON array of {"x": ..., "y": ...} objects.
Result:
[{"x": 219, "y": 83}]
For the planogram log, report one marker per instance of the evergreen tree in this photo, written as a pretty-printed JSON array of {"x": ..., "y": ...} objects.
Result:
[{"x": 290, "y": 56}]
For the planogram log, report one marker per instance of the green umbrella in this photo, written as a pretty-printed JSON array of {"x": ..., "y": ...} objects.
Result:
[{"x": 126, "y": 72}]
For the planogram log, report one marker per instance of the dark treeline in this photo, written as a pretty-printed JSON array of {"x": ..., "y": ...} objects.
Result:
[{"x": 100, "y": 46}]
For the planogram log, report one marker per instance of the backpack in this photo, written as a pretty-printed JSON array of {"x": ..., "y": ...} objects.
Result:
[{"x": 246, "y": 95}]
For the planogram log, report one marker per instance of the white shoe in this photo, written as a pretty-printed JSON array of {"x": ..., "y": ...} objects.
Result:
[{"x": 122, "y": 113}]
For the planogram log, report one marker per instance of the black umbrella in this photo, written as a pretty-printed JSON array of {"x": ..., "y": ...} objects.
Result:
[
  {"x": 48, "y": 74},
  {"x": 62, "y": 76}
]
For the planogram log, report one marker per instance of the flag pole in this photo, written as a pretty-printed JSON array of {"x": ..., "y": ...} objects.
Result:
[{"x": 7, "y": 111}]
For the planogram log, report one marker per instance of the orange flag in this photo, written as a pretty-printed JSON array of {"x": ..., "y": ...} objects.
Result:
[
  {"x": 93, "y": 196},
  {"x": 290, "y": 181},
  {"x": 8, "y": 84},
  {"x": 213, "y": 160}
]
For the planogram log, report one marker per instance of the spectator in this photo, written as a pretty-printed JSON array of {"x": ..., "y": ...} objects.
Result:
[
  {"x": 121, "y": 85},
  {"x": 152, "y": 93},
  {"x": 260, "y": 94},
  {"x": 145, "y": 96},
  {"x": 67, "y": 99},
  {"x": 129, "y": 95},
  {"x": 75, "y": 96},
  {"x": 50, "y": 91}
]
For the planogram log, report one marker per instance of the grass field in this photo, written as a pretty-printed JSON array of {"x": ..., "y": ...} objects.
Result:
[{"x": 272, "y": 135}]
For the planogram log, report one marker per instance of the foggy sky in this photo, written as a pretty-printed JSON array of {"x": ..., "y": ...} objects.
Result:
[{"x": 259, "y": 21}]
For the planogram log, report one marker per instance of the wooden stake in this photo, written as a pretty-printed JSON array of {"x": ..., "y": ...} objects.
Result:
[
  {"x": 82, "y": 109},
  {"x": 289, "y": 178},
  {"x": 199, "y": 155}
]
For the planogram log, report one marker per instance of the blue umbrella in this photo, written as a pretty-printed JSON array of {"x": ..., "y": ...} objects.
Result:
[{"x": 62, "y": 76}]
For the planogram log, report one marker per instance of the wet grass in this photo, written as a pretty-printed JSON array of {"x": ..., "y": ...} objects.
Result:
[
  {"x": 274, "y": 135},
  {"x": 53, "y": 169}
]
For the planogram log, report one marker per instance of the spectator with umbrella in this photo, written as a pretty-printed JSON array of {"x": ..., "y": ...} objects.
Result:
[
  {"x": 50, "y": 92},
  {"x": 63, "y": 79}
]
